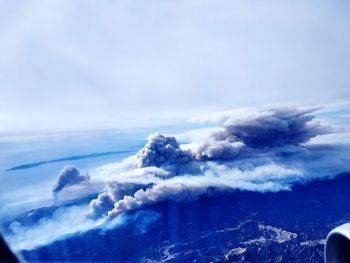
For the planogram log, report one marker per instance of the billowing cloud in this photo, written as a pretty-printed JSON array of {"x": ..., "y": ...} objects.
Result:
[
  {"x": 68, "y": 176},
  {"x": 161, "y": 150},
  {"x": 213, "y": 149},
  {"x": 115, "y": 191},
  {"x": 101, "y": 204},
  {"x": 214, "y": 177},
  {"x": 267, "y": 151},
  {"x": 240, "y": 133},
  {"x": 250, "y": 151},
  {"x": 272, "y": 128}
]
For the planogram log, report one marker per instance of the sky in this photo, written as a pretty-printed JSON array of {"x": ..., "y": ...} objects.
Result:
[{"x": 110, "y": 64}]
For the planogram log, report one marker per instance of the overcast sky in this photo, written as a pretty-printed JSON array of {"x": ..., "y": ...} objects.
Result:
[{"x": 102, "y": 64}]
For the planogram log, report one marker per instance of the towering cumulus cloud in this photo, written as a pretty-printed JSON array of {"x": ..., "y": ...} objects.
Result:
[
  {"x": 271, "y": 128},
  {"x": 161, "y": 150},
  {"x": 69, "y": 175},
  {"x": 244, "y": 132},
  {"x": 253, "y": 151},
  {"x": 115, "y": 192}
]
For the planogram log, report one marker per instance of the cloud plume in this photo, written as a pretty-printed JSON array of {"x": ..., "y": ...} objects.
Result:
[
  {"x": 253, "y": 132},
  {"x": 272, "y": 128},
  {"x": 250, "y": 151},
  {"x": 115, "y": 191},
  {"x": 69, "y": 175},
  {"x": 266, "y": 151},
  {"x": 269, "y": 177},
  {"x": 161, "y": 150}
]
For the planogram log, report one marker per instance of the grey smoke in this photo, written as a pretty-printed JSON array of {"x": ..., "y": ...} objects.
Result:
[
  {"x": 214, "y": 178},
  {"x": 260, "y": 151},
  {"x": 255, "y": 132},
  {"x": 101, "y": 204},
  {"x": 68, "y": 176},
  {"x": 161, "y": 150},
  {"x": 157, "y": 193},
  {"x": 115, "y": 191},
  {"x": 271, "y": 128},
  {"x": 214, "y": 149}
]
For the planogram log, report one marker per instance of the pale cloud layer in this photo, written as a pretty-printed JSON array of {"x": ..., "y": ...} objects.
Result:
[{"x": 93, "y": 64}]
